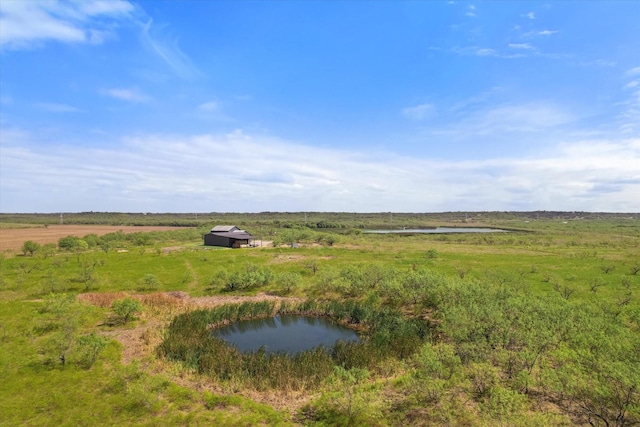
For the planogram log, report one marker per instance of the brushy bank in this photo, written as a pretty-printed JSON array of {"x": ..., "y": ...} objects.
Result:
[{"x": 385, "y": 334}]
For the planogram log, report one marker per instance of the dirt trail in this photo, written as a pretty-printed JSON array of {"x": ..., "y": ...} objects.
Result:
[{"x": 194, "y": 276}]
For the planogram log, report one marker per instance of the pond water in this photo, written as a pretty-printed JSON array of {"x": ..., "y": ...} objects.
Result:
[
  {"x": 438, "y": 230},
  {"x": 289, "y": 334}
]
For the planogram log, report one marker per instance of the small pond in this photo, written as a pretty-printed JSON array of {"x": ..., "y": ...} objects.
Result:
[
  {"x": 438, "y": 230},
  {"x": 288, "y": 334}
]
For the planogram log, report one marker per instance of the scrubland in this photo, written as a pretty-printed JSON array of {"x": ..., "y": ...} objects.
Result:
[{"x": 538, "y": 326}]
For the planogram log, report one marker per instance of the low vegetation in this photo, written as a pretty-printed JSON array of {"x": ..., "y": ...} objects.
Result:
[
  {"x": 386, "y": 335},
  {"x": 539, "y": 326}
]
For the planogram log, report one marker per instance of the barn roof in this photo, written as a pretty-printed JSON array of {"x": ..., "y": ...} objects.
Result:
[
  {"x": 240, "y": 235},
  {"x": 224, "y": 228}
]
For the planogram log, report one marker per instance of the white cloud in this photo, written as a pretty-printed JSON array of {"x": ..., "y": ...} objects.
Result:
[
  {"x": 57, "y": 108},
  {"x": 482, "y": 51},
  {"x": 525, "y": 46},
  {"x": 632, "y": 84},
  {"x": 486, "y": 52},
  {"x": 477, "y": 122},
  {"x": 241, "y": 172},
  {"x": 634, "y": 71},
  {"x": 543, "y": 33},
  {"x": 26, "y": 24},
  {"x": 471, "y": 11},
  {"x": 130, "y": 95},
  {"x": 418, "y": 112},
  {"x": 210, "y": 106},
  {"x": 530, "y": 15},
  {"x": 156, "y": 39}
]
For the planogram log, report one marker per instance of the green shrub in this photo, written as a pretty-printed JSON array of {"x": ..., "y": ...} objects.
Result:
[
  {"x": 125, "y": 309},
  {"x": 30, "y": 247}
]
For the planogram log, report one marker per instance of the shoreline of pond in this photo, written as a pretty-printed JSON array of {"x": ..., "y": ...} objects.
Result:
[{"x": 438, "y": 230}]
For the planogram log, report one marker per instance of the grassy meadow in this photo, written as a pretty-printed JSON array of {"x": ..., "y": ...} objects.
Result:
[{"x": 539, "y": 326}]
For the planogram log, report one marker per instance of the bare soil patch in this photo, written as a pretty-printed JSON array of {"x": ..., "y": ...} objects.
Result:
[
  {"x": 13, "y": 238},
  {"x": 159, "y": 308},
  {"x": 140, "y": 341},
  {"x": 297, "y": 257}
]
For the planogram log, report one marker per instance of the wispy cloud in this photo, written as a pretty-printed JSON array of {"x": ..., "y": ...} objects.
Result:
[
  {"x": 471, "y": 11},
  {"x": 633, "y": 72},
  {"x": 525, "y": 46},
  {"x": 27, "y": 24},
  {"x": 503, "y": 122},
  {"x": 630, "y": 116},
  {"x": 166, "y": 47},
  {"x": 632, "y": 84},
  {"x": 539, "y": 33},
  {"x": 130, "y": 95},
  {"x": 485, "y": 51},
  {"x": 530, "y": 15},
  {"x": 419, "y": 112},
  {"x": 169, "y": 173},
  {"x": 57, "y": 108},
  {"x": 210, "y": 107}
]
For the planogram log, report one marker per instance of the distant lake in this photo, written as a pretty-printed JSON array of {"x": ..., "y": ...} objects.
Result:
[
  {"x": 437, "y": 230},
  {"x": 288, "y": 334}
]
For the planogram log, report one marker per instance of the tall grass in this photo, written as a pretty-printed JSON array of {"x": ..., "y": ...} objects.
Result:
[{"x": 384, "y": 334}]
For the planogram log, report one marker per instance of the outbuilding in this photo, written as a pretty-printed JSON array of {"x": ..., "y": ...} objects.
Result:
[{"x": 227, "y": 236}]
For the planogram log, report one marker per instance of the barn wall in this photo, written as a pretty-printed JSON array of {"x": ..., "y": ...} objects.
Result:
[{"x": 213, "y": 240}]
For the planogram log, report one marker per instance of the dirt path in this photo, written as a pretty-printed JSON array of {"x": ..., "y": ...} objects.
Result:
[{"x": 194, "y": 276}]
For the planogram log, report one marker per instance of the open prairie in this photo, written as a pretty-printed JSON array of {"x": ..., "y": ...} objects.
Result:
[
  {"x": 13, "y": 238},
  {"x": 536, "y": 326}
]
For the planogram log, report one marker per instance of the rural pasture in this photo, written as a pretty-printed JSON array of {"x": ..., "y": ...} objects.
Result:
[
  {"x": 539, "y": 326},
  {"x": 12, "y": 236}
]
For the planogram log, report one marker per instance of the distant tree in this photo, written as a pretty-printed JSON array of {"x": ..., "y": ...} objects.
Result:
[
  {"x": 68, "y": 243},
  {"x": 30, "y": 247},
  {"x": 89, "y": 347},
  {"x": 349, "y": 406},
  {"x": 312, "y": 265},
  {"x": 125, "y": 309},
  {"x": 150, "y": 282},
  {"x": 48, "y": 249},
  {"x": 289, "y": 280},
  {"x": 607, "y": 268},
  {"x": 61, "y": 316},
  {"x": 92, "y": 240},
  {"x": 105, "y": 246},
  {"x": 331, "y": 239}
]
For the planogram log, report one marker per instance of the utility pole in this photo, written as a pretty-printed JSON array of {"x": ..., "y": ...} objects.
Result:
[{"x": 61, "y": 219}]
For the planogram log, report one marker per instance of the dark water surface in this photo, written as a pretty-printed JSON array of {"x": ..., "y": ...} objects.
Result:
[
  {"x": 290, "y": 334},
  {"x": 439, "y": 230}
]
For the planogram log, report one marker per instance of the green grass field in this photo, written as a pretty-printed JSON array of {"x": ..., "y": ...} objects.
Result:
[{"x": 538, "y": 326}]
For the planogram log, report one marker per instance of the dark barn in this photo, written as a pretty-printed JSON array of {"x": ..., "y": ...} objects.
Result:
[{"x": 227, "y": 236}]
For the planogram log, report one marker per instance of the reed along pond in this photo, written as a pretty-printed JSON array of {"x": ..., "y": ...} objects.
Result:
[
  {"x": 438, "y": 230},
  {"x": 289, "y": 334}
]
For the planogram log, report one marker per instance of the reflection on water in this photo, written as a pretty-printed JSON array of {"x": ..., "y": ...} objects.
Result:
[
  {"x": 439, "y": 230},
  {"x": 289, "y": 334}
]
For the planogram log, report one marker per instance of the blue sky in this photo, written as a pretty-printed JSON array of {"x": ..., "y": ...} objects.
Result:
[{"x": 358, "y": 106}]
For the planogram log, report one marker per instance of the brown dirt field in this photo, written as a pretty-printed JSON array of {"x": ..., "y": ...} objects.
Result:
[{"x": 13, "y": 238}]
